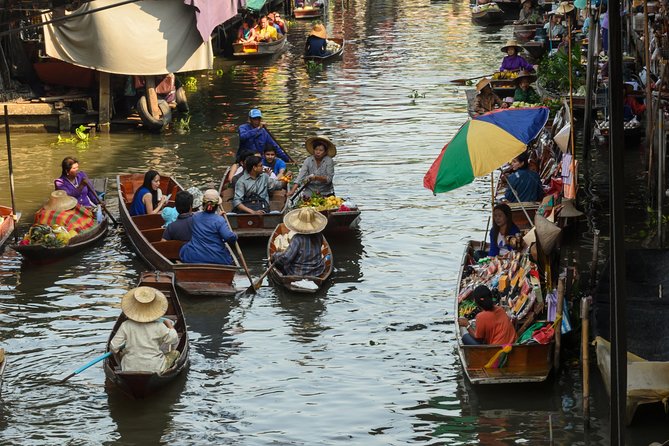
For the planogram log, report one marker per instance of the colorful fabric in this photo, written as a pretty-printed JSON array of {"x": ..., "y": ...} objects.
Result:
[
  {"x": 482, "y": 145},
  {"x": 78, "y": 218}
]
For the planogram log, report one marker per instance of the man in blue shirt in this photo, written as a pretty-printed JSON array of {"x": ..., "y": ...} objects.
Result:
[
  {"x": 253, "y": 137},
  {"x": 524, "y": 181},
  {"x": 274, "y": 164},
  {"x": 182, "y": 228}
]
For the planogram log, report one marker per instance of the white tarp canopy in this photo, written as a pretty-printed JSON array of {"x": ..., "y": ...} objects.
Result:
[{"x": 149, "y": 37}]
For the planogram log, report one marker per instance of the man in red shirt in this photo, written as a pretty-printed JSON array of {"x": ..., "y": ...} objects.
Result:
[{"x": 493, "y": 325}]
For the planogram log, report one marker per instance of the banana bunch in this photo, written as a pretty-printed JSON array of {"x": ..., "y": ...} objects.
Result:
[
  {"x": 500, "y": 75},
  {"x": 521, "y": 104}
]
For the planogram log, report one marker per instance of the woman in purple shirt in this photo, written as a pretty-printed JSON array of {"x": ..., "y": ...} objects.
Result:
[
  {"x": 75, "y": 183},
  {"x": 514, "y": 62}
]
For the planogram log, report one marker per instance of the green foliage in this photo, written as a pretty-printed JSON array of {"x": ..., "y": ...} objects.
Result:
[
  {"x": 80, "y": 139},
  {"x": 182, "y": 125},
  {"x": 553, "y": 73},
  {"x": 190, "y": 83},
  {"x": 314, "y": 67},
  {"x": 415, "y": 94}
]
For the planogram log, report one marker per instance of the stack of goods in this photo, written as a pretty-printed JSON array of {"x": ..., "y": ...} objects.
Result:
[
  {"x": 332, "y": 46},
  {"x": 487, "y": 7},
  {"x": 330, "y": 203},
  {"x": 513, "y": 278},
  {"x": 506, "y": 74},
  {"x": 48, "y": 236}
]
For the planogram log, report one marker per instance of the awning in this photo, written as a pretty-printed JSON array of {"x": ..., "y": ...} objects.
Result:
[
  {"x": 211, "y": 13},
  {"x": 255, "y": 5},
  {"x": 150, "y": 37}
]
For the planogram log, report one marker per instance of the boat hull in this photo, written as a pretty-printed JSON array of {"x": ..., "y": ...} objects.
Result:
[
  {"x": 330, "y": 57},
  {"x": 307, "y": 13},
  {"x": 261, "y": 49},
  {"x": 8, "y": 224}
]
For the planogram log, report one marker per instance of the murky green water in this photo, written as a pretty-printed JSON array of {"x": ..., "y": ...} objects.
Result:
[{"x": 370, "y": 360}]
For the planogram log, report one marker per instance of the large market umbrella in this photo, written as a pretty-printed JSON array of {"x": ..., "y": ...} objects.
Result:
[{"x": 482, "y": 145}]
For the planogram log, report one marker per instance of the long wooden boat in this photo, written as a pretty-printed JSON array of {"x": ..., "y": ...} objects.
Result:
[
  {"x": 308, "y": 12},
  {"x": 332, "y": 56},
  {"x": 8, "y": 224},
  {"x": 41, "y": 254},
  {"x": 142, "y": 384},
  {"x": 487, "y": 16},
  {"x": 525, "y": 32},
  {"x": 250, "y": 225},
  {"x": 288, "y": 281},
  {"x": 525, "y": 362},
  {"x": 145, "y": 233},
  {"x": 260, "y": 49}
]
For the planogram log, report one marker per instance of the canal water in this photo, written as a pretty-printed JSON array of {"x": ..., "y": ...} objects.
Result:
[{"x": 370, "y": 359}]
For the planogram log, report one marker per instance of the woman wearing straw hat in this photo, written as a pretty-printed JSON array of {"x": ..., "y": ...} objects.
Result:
[
  {"x": 139, "y": 339},
  {"x": 486, "y": 100},
  {"x": 209, "y": 234},
  {"x": 317, "y": 42},
  {"x": 524, "y": 92},
  {"x": 512, "y": 61},
  {"x": 318, "y": 169},
  {"x": 303, "y": 256}
]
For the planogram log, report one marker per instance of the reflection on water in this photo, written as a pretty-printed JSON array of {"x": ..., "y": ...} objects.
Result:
[{"x": 368, "y": 360}]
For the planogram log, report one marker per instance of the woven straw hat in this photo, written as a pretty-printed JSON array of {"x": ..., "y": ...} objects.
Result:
[
  {"x": 319, "y": 31},
  {"x": 60, "y": 201},
  {"x": 311, "y": 141},
  {"x": 525, "y": 75},
  {"x": 509, "y": 44},
  {"x": 564, "y": 8},
  {"x": 547, "y": 233},
  {"x": 305, "y": 221},
  {"x": 144, "y": 304},
  {"x": 569, "y": 210},
  {"x": 480, "y": 85}
]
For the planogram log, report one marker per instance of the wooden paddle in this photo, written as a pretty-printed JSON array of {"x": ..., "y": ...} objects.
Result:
[
  {"x": 464, "y": 81},
  {"x": 290, "y": 158},
  {"x": 256, "y": 285},
  {"x": 104, "y": 208},
  {"x": 240, "y": 254}
]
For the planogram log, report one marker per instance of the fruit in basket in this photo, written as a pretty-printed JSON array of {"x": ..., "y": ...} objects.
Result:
[{"x": 321, "y": 203}]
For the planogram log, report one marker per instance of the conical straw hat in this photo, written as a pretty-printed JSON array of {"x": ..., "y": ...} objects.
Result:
[
  {"x": 144, "y": 304},
  {"x": 569, "y": 210},
  {"x": 480, "y": 85},
  {"x": 562, "y": 138},
  {"x": 331, "y": 149},
  {"x": 547, "y": 233},
  {"x": 60, "y": 201},
  {"x": 564, "y": 8},
  {"x": 305, "y": 221}
]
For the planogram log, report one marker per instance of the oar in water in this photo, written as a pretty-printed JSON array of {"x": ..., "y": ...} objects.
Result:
[
  {"x": 464, "y": 81},
  {"x": 240, "y": 254},
  {"x": 82, "y": 368},
  {"x": 256, "y": 285}
]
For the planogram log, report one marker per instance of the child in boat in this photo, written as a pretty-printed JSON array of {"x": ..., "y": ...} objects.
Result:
[
  {"x": 140, "y": 338},
  {"x": 524, "y": 92},
  {"x": 513, "y": 61},
  {"x": 303, "y": 256},
  {"x": 492, "y": 325},
  {"x": 247, "y": 32},
  {"x": 502, "y": 228}
]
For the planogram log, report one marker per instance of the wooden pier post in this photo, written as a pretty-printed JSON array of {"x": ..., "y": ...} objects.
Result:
[
  {"x": 585, "y": 357},
  {"x": 104, "y": 107},
  {"x": 595, "y": 260}
]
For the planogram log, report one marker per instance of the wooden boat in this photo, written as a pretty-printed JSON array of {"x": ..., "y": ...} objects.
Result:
[
  {"x": 260, "y": 49},
  {"x": 40, "y": 254},
  {"x": 488, "y": 15},
  {"x": 330, "y": 57},
  {"x": 536, "y": 49},
  {"x": 503, "y": 87},
  {"x": 142, "y": 384},
  {"x": 3, "y": 365},
  {"x": 288, "y": 281},
  {"x": 525, "y": 32},
  {"x": 525, "y": 363},
  {"x": 308, "y": 12},
  {"x": 8, "y": 224},
  {"x": 145, "y": 233},
  {"x": 248, "y": 225}
]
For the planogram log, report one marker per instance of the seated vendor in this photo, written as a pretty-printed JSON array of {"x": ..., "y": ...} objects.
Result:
[
  {"x": 486, "y": 100},
  {"x": 524, "y": 92},
  {"x": 631, "y": 106},
  {"x": 502, "y": 228},
  {"x": 492, "y": 325},
  {"x": 317, "y": 42},
  {"x": 76, "y": 183},
  {"x": 527, "y": 15},
  {"x": 513, "y": 61},
  {"x": 303, "y": 256},
  {"x": 139, "y": 339},
  {"x": 523, "y": 184}
]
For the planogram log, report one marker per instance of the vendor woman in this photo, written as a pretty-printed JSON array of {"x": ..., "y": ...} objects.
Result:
[
  {"x": 524, "y": 92},
  {"x": 512, "y": 61},
  {"x": 502, "y": 228},
  {"x": 75, "y": 183}
]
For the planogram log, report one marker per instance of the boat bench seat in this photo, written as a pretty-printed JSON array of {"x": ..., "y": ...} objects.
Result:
[
  {"x": 169, "y": 248},
  {"x": 148, "y": 221},
  {"x": 154, "y": 234}
]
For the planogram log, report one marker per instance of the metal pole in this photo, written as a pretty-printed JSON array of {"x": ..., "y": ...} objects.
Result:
[
  {"x": 11, "y": 172},
  {"x": 617, "y": 173}
]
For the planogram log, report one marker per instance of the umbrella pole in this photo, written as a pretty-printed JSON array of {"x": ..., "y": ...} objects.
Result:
[
  {"x": 492, "y": 190},
  {"x": 515, "y": 194}
]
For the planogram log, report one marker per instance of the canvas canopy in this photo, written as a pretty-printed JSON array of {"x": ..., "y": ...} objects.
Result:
[{"x": 149, "y": 37}]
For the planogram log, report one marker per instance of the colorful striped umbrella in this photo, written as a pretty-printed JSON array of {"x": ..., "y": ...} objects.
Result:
[{"x": 482, "y": 145}]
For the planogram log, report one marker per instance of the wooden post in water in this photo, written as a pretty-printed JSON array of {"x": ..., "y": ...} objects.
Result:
[
  {"x": 558, "y": 317},
  {"x": 646, "y": 56},
  {"x": 104, "y": 108},
  {"x": 585, "y": 357},
  {"x": 152, "y": 97},
  {"x": 11, "y": 172},
  {"x": 595, "y": 260},
  {"x": 591, "y": 74}
]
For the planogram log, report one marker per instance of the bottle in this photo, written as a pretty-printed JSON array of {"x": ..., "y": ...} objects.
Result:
[{"x": 98, "y": 214}]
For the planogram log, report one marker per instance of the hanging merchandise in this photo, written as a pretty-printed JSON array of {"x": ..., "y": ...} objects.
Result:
[{"x": 566, "y": 324}]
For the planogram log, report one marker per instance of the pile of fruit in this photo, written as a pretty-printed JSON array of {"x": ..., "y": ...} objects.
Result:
[
  {"x": 486, "y": 7},
  {"x": 505, "y": 75},
  {"x": 467, "y": 309},
  {"x": 520, "y": 104},
  {"x": 50, "y": 237},
  {"x": 321, "y": 203}
]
